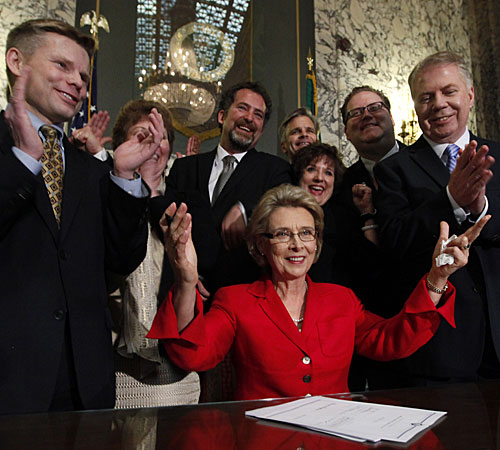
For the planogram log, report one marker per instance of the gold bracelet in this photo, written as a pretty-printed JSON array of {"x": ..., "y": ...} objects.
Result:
[{"x": 435, "y": 289}]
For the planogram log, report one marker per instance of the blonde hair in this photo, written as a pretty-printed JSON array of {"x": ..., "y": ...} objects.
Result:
[{"x": 283, "y": 196}]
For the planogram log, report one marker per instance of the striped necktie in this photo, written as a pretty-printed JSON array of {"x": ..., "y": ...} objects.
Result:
[
  {"x": 229, "y": 166},
  {"x": 452, "y": 152},
  {"x": 53, "y": 169}
]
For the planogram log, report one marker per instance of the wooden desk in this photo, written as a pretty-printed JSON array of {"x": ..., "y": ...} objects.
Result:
[{"x": 473, "y": 422}]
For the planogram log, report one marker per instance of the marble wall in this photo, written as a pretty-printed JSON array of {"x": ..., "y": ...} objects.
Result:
[
  {"x": 377, "y": 43},
  {"x": 13, "y": 13},
  {"x": 484, "y": 29}
]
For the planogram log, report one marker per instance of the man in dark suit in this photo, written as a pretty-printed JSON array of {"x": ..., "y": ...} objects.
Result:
[
  {"x": 369, "y": 126},
  {"x": 64, "y": 219},
  {"x": 219, "y": 219},
  {"x": 426, "y": 184}
]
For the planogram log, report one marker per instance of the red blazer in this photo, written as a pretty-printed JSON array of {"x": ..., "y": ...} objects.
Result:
[{"x": 273, "y": 359}]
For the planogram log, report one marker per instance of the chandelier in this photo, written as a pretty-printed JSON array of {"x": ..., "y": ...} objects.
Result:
[{"x": 189, "y": 84}]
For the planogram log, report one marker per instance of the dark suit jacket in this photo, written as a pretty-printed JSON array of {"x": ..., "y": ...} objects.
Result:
[
  {"x": 369, "y": 266},
  {"x": 412, "y": 201},
  {"x": 52, "y": 278},
  {"x": 188, "y": 182}
]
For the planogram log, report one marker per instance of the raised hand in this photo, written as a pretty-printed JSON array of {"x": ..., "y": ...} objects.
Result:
[
  {"x": 85, "y": 139},
  {"x": 362, "y": 198},
  {"x": 193, "y": 146},
  {"x": 458, "y": 248},
  {"x": 472, "y": 173},
  {"x": 233, "y": 228},
  {"x": 98, "y": 123},
  {"x": 22, "y": 131},
  {"x": 176, "y": 226},
  {"x": 130, "y": 155},
  {"x": 152, "y": 170}
]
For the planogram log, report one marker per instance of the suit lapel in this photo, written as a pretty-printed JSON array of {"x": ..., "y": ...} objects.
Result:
[
  {"x": 425, "y": 157},
  {"x": 275, "y": 310},
  {"x": 40, "y": 196},
  {"x": 314, "y": 309},
  {"x": 205, "y": 163},
  {"x": 76, "y": 174},
  {"x": 243, "y": 170}
]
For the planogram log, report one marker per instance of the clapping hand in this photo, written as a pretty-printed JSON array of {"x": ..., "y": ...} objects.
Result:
[
  {"x": 130, "y": 155},
  {"x": 472, "y": 173},
  {"x": 98, "y": 123},
  {"x": 22, "y": 131}
]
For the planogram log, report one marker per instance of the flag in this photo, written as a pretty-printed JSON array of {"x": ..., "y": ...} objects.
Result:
[
  {"x": 89, "y": 105},
  {"x": 311, "y": 92}
]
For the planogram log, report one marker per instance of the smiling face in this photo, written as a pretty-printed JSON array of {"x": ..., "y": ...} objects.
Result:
[
  {"x": 442, "y": 102},
  {"x": 243, "y": 123},
  {"x": 300, "y": 133},
  {"x": 318, "y": 179},
  {"x": 291, "y": 260},
  {"x": 372, "y": 134},
  {"x": 58, "y": 82}
]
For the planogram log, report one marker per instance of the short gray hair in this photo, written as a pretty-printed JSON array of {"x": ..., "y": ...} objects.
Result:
[
  {"x": 283, "y": 196},
  {"x": 438, "y": 59}
]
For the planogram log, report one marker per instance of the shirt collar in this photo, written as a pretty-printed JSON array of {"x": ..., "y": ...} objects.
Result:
[
  {"x": 37, "y": 123},
  {"x": 221, "y": 154},
  {"x": 440, "y": 148},
  {"x": 370, "y": 163}
]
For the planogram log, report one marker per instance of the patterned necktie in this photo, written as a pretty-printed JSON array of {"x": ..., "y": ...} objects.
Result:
[
  {"x": 452, "y": 152},
  {"x": 229, "y": 166},
  {"x": 52, "y": 169}
]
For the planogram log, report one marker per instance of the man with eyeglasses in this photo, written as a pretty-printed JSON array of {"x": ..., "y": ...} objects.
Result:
[
  {"x": 447, "y": 175},
  {"x": 369, "y": 126}
]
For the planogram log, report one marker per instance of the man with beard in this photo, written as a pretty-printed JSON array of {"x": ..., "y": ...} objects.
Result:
[
  {"x": 299, "y": 129},
  {"x": 222, "y": 187}
]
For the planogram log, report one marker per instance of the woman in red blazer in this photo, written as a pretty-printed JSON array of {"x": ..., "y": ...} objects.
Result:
[{"x": 290, "y": 336}]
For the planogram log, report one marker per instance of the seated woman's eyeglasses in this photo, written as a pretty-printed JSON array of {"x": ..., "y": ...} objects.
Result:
[
  {"x": 282, "y": 236},
  {"x": 371, "y": 108}
]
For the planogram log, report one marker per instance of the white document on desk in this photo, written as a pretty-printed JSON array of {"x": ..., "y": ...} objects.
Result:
[{"x": 351, "y": 419}]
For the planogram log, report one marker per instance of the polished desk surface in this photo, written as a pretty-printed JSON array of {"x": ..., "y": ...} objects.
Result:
[{"x": 472, "y": 422}]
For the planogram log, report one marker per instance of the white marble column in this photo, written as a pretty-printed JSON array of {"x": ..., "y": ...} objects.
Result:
[{"x": 387, "y": 38}]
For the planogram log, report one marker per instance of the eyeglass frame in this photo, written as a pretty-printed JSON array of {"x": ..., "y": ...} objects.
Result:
[
  {"x": 290, "y": 234},
  {"x": 362, "y": 109}
]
